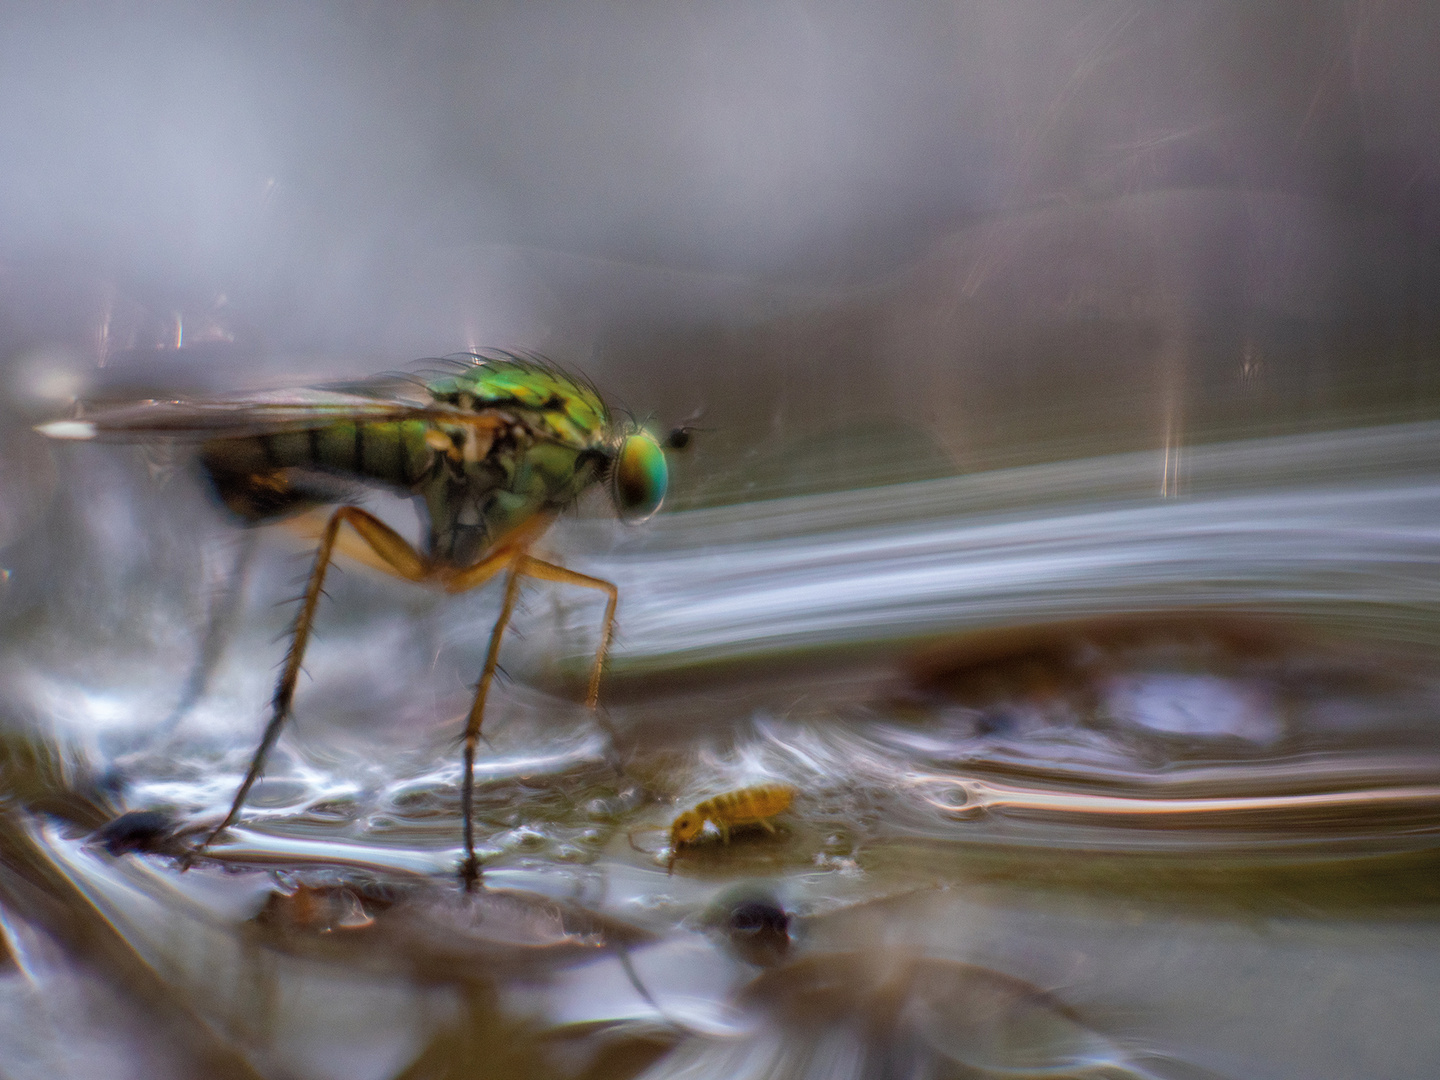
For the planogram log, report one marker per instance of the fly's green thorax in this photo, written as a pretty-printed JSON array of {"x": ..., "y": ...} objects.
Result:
[
  {"x": 508, "y": 439},
  {"x": 557, "y": 443},
  {"x": 558, "y": 405}
]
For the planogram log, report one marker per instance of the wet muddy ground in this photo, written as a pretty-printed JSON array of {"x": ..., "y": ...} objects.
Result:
[{"x": 1057, "y": 808}]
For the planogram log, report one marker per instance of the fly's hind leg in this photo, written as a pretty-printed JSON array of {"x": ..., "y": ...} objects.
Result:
[
  {"x": 220, "y": 625},
  {"x": 398, "y": 557}
]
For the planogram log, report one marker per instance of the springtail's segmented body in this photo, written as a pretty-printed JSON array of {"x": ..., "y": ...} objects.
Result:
[
  {"x": 733, "y": 810},
  {"x": 492, "y": 448}
]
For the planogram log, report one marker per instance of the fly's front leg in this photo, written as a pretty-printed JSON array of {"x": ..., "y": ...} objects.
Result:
[
  {"x": 536, "y": 568},
  {"x": 398, "y": 556}
]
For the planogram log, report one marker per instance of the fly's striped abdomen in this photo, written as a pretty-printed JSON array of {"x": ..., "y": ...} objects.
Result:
[{"x": 251, "y": 472}]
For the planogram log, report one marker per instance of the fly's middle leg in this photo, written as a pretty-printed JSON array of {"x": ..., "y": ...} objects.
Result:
[{"x": 470, "y": 867}]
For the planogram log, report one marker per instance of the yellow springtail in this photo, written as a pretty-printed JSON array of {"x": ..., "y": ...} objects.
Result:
[{"x": 746, "y": 806}]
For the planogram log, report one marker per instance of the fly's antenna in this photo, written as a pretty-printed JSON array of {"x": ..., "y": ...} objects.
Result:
[{"x": 678, "y": 437}]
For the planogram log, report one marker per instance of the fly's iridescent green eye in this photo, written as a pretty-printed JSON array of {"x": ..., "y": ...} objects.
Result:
[{"x": 640, "y": 476}]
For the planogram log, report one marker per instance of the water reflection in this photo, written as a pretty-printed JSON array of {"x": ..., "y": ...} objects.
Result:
[
  {"x": 881, "y": 1014},
  {"x": 1068, "y": 760}
]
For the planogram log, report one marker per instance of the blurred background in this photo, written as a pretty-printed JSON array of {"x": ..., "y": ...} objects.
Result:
[
  {"x": 927, "y": 238},
  {"x": 992, "y": 318}
]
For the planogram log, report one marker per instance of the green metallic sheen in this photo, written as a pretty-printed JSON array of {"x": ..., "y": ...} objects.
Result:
[
  {"x": 562, "y": 443},
  {"x": 564, "y": 407},
  {"x": 546, "y": 437},
  {"x": 335, "y": 444}
]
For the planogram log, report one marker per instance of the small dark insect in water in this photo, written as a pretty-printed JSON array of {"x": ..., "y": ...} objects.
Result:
[
  {"x": 752, "y": 922},
  {"x": 759, "y": 931},
  {"x": 493, "y": 447},
  {"x": 139, "y": 830}
]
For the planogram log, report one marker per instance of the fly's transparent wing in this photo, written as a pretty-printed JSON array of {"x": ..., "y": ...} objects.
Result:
[{"x": 255, "y": 414}]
